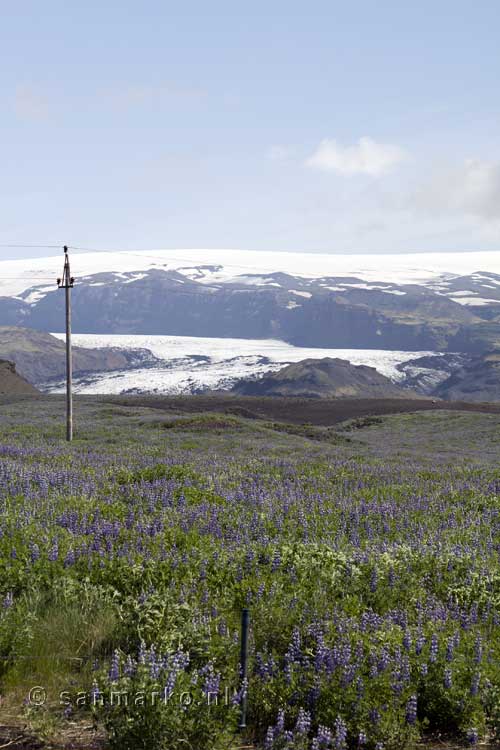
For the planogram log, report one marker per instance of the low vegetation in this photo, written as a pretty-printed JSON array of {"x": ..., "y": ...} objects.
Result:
[{"x": 370, "y": 574}]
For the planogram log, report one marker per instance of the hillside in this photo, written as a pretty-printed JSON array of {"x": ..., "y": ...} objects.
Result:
[
  {"x": 331, "y": 378},
  {"x": 477, "y": 380},
  {"x": 11, "y": 382},
  {"x": 40, "y": 357}
]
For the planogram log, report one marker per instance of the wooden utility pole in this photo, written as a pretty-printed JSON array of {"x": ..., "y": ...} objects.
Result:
[
  {"x": 66, "y": 283},
  {"x": 245, "y": 620}
]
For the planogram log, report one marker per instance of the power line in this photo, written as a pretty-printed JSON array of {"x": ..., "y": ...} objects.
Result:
[
  {"x": 144, "y": 253},
  {"x": 136, "y": 253},
  {"x": 41, "y": 247}
]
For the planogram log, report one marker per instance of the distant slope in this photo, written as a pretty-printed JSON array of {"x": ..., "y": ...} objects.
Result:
[
  {"x": 324, "y": 378},
  {"x": 40, "y": 357},
  {"x": 478, "y": 380},
  {"x": 11, "y": 382}
]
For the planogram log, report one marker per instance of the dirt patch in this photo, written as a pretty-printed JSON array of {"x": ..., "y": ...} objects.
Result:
[
  {"x": 74, "y": 736},
  {"x": 322, "y": 412}
]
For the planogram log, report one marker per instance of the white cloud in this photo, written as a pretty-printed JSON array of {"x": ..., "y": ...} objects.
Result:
[
  {"x": 365, "y": 157},
  {"x": 473, "y": 189}
]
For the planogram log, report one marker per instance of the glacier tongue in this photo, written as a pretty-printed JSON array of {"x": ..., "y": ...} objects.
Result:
[{"x": 192, "y": 365}]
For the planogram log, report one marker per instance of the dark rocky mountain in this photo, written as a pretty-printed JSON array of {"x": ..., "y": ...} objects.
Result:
[
  {"x": 340, "y": 312},
  {"x": 477, "y": 380},
  {"x": 425, "y": 374},
  {"x": 13, "y": 311},
  {"x": 458, "y": 377},
  {"x": 327, "y": 377},
  {"x": 40, "y": 357},
  {"x": 12, "y": 383}
]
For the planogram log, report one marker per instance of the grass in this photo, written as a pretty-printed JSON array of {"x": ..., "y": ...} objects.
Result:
[{"x": 141, "y": 542}]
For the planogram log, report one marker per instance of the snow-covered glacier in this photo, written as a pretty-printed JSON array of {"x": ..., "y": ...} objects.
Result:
[{"x": 186, "y": 364}]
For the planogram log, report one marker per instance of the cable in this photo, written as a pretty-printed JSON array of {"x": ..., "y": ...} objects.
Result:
[
  {"x": 136, "y": 252},
  {"x": 142, "y": 254},
  {"x": 44, "y": 247}
]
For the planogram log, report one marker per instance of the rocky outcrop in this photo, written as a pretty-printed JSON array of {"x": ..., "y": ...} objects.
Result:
[
  {"x": 11, "y": 383},
  {"x": 329, "y": 378},
  {"x": 477, "y": 380}
]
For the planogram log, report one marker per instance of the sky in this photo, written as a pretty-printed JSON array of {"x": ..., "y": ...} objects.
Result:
[{"x": 319, "y": 126}]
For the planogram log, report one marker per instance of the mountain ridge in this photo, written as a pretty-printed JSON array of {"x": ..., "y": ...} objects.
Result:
[{"x": 328, "y": 312}]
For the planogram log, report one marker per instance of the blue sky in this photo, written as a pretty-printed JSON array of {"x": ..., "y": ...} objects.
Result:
[{"x": 327, "y": 126}]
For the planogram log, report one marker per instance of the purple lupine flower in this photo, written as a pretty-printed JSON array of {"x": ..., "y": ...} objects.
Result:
[
  {"x": 141, "y": 657},
  {"x": 450, "y": 646},
  {"x": 95, "y": 693},
  {"x": 434, "y": 649},
  {"x": 447, "y": 678},
  {"x": 276, "y": 562},
  {"x": 303, "y": 724},
  {"x": 240, "y": 694},
  {"x": 411, "y": 710},
  {"x": 478, "y": 649},
  {"x": 211, "y": 685},
  {"x": 340, "y": 734},
  {"x": 360, "y": 688},
  {"x": 114, "y": 670},
  {"x": 472, "y": 736},
  {"x": 168, "y": 688},
  {"x": 384, "y": 660},
  {"x": 324, "y": 737},
  {"x": 269, "y": 740},
  {"x": 419, "y": 645},
  {"x": 129, "y": 667},
  {"x": 474, "y": 687},
  {"x": 70, "y": 558},
  {"x": 280, "y": 721},
  {"x": 68, "y": 711},
  {"x": 8, "y": 600}
]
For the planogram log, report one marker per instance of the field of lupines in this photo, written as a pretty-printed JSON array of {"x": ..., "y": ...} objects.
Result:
[{"x": 371, "y": 575}]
